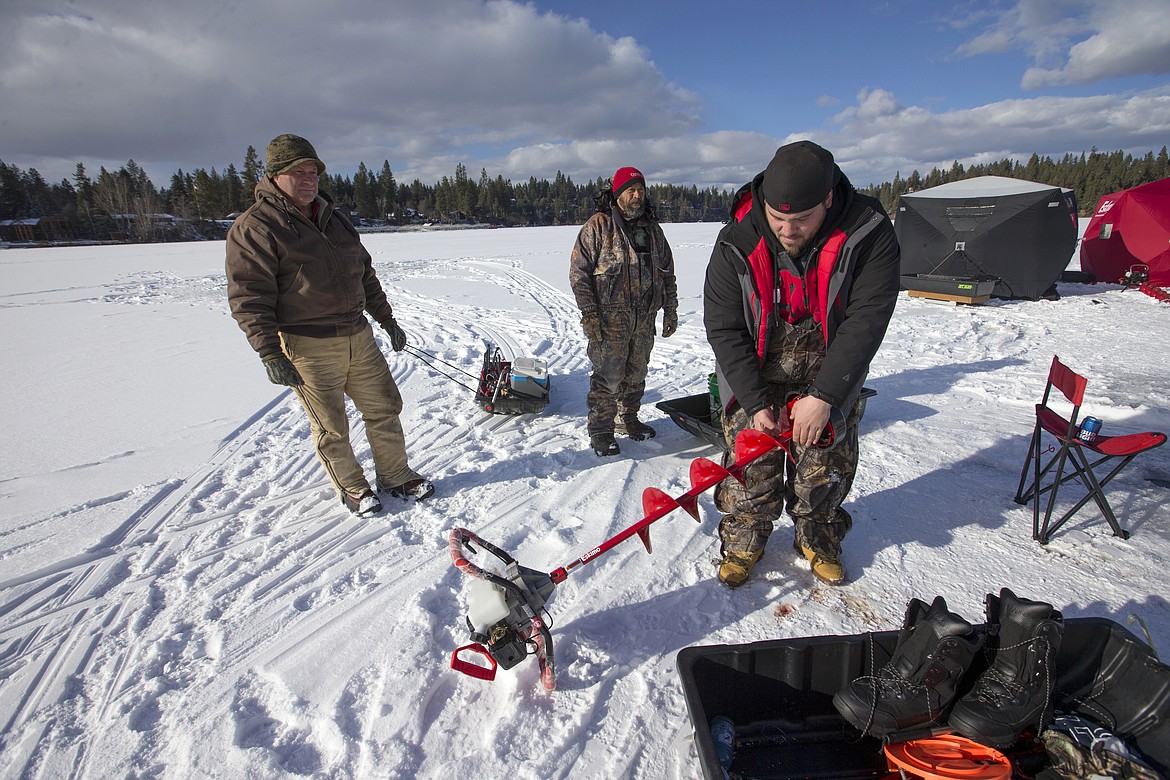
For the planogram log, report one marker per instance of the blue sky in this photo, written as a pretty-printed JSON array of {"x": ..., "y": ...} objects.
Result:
[{"x": 690, "y": 92}]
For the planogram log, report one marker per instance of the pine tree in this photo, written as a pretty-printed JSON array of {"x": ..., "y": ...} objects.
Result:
[
  {"x": 365, "y": 197},
  {"x": 387, "y": 191},
  {"x": 253, "y": 170}
]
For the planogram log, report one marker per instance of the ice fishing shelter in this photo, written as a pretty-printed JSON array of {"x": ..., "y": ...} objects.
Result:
[
  {"x": 1019, "y": 232},
  {"x": 1130, "y": 227}
]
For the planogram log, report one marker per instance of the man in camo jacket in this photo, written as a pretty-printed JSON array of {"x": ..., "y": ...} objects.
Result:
[{"x": 622, "y": 273}]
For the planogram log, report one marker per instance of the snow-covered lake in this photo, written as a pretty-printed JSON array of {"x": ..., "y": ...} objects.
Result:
[{"x": 181, "y": 595}]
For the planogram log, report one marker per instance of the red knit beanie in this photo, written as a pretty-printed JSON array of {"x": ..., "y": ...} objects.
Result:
[{"x": 625, "y": 177}]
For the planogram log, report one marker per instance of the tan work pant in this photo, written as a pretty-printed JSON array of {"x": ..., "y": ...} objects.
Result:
[{"x": 350, "y": 365}]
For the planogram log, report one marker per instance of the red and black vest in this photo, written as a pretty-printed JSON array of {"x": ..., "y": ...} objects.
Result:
[{"x": 794, "y": 297}]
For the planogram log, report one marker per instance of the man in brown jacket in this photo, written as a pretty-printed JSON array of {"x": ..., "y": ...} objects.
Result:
[
  {"x": 299, "y": 285},
  {"x": 622, "y": 273}
]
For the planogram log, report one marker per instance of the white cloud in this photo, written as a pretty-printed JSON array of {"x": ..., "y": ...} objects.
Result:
[
  {"x": 871, "y": 104},
  {"x": 362, "y": 79},
  {"x": 873, "y": 139},
  {"x": 1039, "y": 27},
  {"x": 1136, "y": 41},
  {"x": 1081, "y": 41},
  {"x": 871, "y": 149},
  {"x": 498, "y": 85}
]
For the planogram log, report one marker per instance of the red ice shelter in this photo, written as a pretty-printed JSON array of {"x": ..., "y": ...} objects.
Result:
[{"x": 1130, "y": 227}]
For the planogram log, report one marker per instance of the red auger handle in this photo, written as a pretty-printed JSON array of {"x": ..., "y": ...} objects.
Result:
[
  {"x": 458, "y": 539},
  {"x": 473, "y": 669}
]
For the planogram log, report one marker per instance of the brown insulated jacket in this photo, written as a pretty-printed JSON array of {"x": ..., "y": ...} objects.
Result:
[
  {"x": 605, "y": 274},
  {"x": 287, "y": 273}
]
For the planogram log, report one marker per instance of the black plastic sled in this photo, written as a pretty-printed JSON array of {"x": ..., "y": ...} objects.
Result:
[
  {"x": 780, "y": 693},
  {"x": 695, "y": 413},
  {"x": 519, "y": 386}
]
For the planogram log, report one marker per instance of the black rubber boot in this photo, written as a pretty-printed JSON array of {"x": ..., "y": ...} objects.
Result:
[
  {"x": 1015, "y": 693},
  {"x": 920, "y": 683}
]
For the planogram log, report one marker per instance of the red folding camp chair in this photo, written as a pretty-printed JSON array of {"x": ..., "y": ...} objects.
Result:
[{"x": 1082, "y": 457}]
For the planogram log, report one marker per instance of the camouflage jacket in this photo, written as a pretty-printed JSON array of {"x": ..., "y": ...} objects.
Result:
[
  {"x": 606, "y": 273},
  {"x": 287, "y": 273}
]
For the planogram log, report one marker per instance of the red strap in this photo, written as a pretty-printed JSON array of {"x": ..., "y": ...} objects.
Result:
[
  {"x": 760, "y": 265},
  {"x": 826, "y": 262}
]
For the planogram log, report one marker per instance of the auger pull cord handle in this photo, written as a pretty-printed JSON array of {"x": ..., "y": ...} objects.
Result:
[{"x": 472, "y": 669}]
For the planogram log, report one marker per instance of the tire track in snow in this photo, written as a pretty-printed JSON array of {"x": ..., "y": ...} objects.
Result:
[
  {"x": 229, "y": 579},
  {"x": 59, "y": 619}
]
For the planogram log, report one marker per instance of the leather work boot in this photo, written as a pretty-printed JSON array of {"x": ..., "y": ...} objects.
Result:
[
  {"x": 826, "y": 569},
  {"x": 634, "y": 428},
  {"x": 736, "y": 566},
  {"x": 1015, "y": 693},
  {"x": 418, "y": 489},
  {"x": 921, "y": 681},
  {"x": 365, "y": 505}
]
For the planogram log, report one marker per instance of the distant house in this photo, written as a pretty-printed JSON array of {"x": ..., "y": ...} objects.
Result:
[{"x": 36, "y": 229}]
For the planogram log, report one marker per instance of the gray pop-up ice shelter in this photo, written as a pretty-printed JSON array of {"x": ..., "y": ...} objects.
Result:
[{"x": 1020, "y": 232}]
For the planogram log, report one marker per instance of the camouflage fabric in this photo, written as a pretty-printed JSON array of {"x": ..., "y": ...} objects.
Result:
[
  {"x": 617, "y": 265},
  {"x": 620, "y": 363},
  {"x": 1080, "y": 750},
  {"x": 813, "y": 488},
  {"x": 622, "y": 272}
]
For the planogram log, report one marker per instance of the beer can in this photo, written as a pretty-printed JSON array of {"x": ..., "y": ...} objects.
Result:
[{"x": 1090, "y": 427}]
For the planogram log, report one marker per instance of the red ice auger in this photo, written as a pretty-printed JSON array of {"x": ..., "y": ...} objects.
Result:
[{"x": 506, "y": 612}]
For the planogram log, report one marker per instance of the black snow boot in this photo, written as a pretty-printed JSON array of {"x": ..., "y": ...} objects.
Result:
[
  {"x": 603, "y": 444},
  {"x": 1015, "y": 693},
  {"x": 920, "y": 683}
]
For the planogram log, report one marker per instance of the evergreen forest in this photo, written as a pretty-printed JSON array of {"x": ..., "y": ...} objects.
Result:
[{"x": 125, "y": 205}]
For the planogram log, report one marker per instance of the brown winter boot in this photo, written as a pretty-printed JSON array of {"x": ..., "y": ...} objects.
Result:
[
  {"x": 603, "y": 444},
  {"x": 736, "y": 566},
  {"x": 826, "y": 569}
]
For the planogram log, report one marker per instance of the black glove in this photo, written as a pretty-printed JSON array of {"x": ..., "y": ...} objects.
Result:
[
  {"x": 669, "y": 322},
  {"x": 591, "y": 324},
  {"x": 397, "y": 335},
  {"x": 281, "y": 371}
]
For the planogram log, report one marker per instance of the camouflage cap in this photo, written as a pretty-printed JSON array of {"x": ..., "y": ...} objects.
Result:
[{"x": 287, "y": 151}]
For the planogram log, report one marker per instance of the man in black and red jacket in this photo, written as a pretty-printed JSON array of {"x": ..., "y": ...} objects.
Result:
[{"x": 800, "y": 287}]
